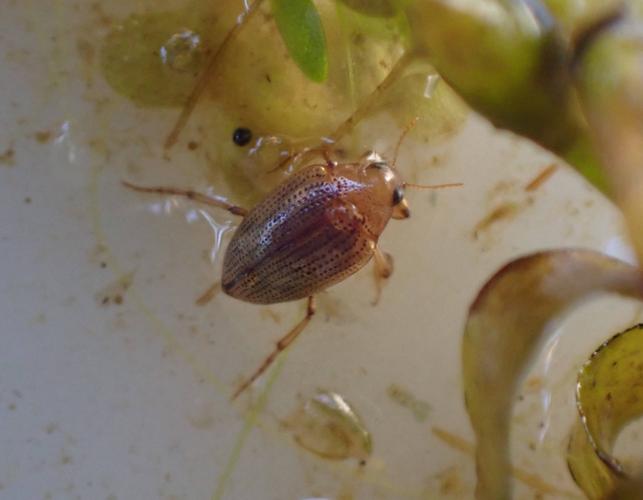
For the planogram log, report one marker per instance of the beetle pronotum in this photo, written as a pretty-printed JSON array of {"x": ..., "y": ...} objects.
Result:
[{"x": 312, "y": 231}]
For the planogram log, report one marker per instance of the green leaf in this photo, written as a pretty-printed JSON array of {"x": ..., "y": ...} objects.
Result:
[
  {"x": 609, "y": 395},
  {"x": 301, "y": 29}
]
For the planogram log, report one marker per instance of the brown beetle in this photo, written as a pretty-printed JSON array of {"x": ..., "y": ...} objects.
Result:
[{"x": 312, "y": 231}]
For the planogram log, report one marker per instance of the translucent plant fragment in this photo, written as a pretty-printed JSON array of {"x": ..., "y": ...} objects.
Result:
[
  {"x": 508, "y": 322},
  {"x": 609, "y": 395},
  {"x": 329, "y": 427},
  {"x": 153, "y": 59}
]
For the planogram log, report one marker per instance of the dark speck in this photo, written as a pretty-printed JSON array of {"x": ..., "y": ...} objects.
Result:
[
  {"x": 242, "y": 136},
  {"x": 43, "y": 137}
]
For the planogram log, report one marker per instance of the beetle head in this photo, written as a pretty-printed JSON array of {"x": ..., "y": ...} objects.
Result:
[{"x": 388, "y": 180}]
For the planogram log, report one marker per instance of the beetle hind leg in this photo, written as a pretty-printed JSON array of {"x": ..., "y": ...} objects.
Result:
[
  {"x": 383, "y": 270},
  {"x": 190, "y": 195},
  {"x": 281, "y": 346}
]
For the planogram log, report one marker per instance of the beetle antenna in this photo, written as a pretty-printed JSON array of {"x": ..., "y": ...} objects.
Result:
[
  {"x": 403, "y": 135},
  {"x": 432, "y": 186}
]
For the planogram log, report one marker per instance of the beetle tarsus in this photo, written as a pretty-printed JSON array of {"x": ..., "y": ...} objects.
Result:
[
  {"x": 383, "y": 270},
  {"x": 281, "y": 346}
]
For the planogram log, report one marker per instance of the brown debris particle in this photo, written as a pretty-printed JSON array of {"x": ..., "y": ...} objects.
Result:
[
  {"x": 451, "y": 482},
  {"x": 504, "y": 211},
  {"x": 85, "y": 51},
  {"x": 8, "y": 158},
  {"x": 541, "y": 178},
  {"x": 405, "y": 398},
  {"x": 114, "y": 292},
  {"x": 43, "y": 136},
  {"x": 534, "y": 384},
  {"x": 209, "y": 294},
  {"x": 102, "y": 19},
  {"x": 51, "y": 428}
]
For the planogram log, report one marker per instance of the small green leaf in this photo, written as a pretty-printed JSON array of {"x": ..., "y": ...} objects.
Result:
[{"x": 301, "y": 29}]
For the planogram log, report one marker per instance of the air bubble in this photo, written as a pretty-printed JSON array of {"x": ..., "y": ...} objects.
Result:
[{"x": 182, "y": 51}]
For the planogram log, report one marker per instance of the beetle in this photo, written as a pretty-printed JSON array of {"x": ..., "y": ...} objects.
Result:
[{"x": 314, "y": 230}]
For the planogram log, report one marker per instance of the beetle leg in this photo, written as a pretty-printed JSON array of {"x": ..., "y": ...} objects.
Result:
[
  {"x": 191, "y": 195},
  {"x": 383, "y": 271},
  {"x": 305, "y": 153},
  {"x": 209, "y": 294},
  {"x": 282, "y": 345}
]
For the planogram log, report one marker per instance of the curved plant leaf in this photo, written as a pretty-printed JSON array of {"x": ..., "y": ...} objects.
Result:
[
  {"x": 303, "y": 33},
  {"x": 609, "y": 395},
  {"x": 508, "y": 322}
]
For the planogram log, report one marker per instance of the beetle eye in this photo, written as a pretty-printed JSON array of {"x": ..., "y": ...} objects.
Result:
[
  {"x": 379, "y": 165},
  {"x": 398, "y": 195}
]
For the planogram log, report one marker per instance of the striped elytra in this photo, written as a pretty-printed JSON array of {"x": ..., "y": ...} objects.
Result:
[{"x": 314, "y": 230}]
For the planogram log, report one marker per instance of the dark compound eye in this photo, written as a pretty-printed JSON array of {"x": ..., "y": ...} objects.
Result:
[
  {"x": 242, "y": 136},
  {"x": 398, "y": 195}
]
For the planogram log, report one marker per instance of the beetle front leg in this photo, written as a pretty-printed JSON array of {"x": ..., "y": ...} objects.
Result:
[
  {"x": 281, "y": 346},
  {"x": 298, "y": 157},
  {"x": 191, "y": 195},
  {"x": 383, "y": 270}
]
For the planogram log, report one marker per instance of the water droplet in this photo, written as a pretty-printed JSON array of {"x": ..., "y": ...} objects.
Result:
[
  {"x": 182, "y": 51},
  {"x": 432, "y": 81}
]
